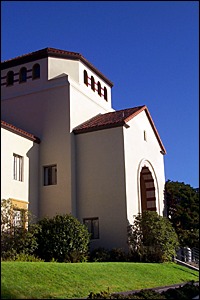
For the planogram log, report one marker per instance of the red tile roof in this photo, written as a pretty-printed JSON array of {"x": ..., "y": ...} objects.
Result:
[
  {"x": 52, "y": 52},
  {"x": 20, "y": 132},
  {"x": 116, "y": 119}
]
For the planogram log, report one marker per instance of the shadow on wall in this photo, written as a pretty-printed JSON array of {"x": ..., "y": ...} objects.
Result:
[{"x": 33, "y": 182}]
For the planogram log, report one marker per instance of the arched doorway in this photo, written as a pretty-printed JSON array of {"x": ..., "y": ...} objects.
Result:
[{"x": 147, "y": 190}]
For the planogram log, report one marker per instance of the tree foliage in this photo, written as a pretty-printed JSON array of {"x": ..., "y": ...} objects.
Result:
[
  {"x": 16, "y": 240},
  {"x": 62, "y": 238},
  {"x": 152, "y": 238},
  {"x": 182, "y": 205}
]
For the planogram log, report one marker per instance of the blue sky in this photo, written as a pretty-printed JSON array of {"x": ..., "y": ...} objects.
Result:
[{"x": 148, "y": 49}]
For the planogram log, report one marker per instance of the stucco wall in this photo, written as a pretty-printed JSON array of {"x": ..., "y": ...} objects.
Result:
[
  {"x": 49, "y": 108},
  {"x": 137, "y": 151},
  {"x": 25, "y": 190},
  {"x": 45, "y": 113},
  {"x": 101, "y": 184}
]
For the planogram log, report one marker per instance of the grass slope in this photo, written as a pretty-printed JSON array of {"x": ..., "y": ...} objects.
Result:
[{"x": 42, "y": 280}]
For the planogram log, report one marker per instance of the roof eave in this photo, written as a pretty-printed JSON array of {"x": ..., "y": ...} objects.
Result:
[
  {"x": 51, "y": 52},
  {"x": 97, "y": 128}
]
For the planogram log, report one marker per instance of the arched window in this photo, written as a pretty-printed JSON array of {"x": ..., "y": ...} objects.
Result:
[
  {"x": 23, "y": 75},
  {"x": 10, "y": 78},
  {"x": 99, "y": 88},
  {"x": 105, "y": 94},
  {"x": 92, "y": 83},
  {"x": 36, "y": 71},
  {"x": 85, "y": 77}
]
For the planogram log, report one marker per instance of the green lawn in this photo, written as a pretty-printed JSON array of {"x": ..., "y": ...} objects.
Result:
[{"x": 42, "y": 280}]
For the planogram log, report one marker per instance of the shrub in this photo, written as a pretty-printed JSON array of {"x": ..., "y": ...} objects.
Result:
[
  {"x": 152, "y": 238},
  {"x": 16, "y": 239},
  {"x": 100, "y": 255},
  {"x": 62, "y": 238},
  {"x": 117, "y": 254},
  {"x": 104, "y": 255},
  {"x": 188, "y": 291},
  {"x": 26, "y": 257}
]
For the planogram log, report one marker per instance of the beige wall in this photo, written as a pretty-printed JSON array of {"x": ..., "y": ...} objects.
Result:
[
  {"x": 25, "y": 191},
  {"x": 49, "y": 108},
  {"x": 101, "y": 184},
  {"x": 46, "y": 115},
  {"x": 138, "y": 153}
]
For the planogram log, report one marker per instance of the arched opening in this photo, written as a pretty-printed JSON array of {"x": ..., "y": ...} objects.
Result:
[
  {"x": 36, "y": 71},
  {"x": 10, "y": 78},
  {"x": 92, "y": 83},
  {"x": 23, "y": 75},
  {"x": 85, "y": 75},
  {"x": 147, "y": 190},
  {"x": 105, "y": 94},
  {"x": 99, "y": 88}
]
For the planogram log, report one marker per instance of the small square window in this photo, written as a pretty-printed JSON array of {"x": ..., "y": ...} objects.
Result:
[
  {"x": 17, "y": 167},
  {"x": 50, "y": 175},
  {"x": 93, "y": 227}
]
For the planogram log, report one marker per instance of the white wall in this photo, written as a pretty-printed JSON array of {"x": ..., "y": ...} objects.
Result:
[
  {"x": 12, "y": 143},
  {"x": 137, "y": 151},
  {"x": 101, "y": 184},
  {"x": 24, "y": 88},
  {"x": 49, "y": 108}
]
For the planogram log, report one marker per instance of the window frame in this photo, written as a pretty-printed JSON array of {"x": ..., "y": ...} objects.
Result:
[
  {"x": 91, "y": 228},
  {"x": 18, "y": 166},
  {"x": 50, "y": 177}
]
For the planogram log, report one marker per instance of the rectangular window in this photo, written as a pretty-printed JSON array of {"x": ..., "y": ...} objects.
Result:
[
  {"x": 17, "y": 221},
  {"x": 93, "y": 227},
  {"x": 50, "y": 175},
  {"x": 18, "y": 167}
]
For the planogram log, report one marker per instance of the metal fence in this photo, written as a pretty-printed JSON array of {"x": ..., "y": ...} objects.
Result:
[{"x": 188, "y": 255}]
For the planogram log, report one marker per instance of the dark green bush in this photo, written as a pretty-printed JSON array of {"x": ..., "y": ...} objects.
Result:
[
  {"x": 104, "y": 255},
  {"x": 100, "y": 255},
  {"x": 188, "y": 291},
  {"x": 152, "y": 238},
  {"x": 62, "y": 238},
  {"x": 20, "y": 241},
  {"x": 117, "y": 254}
]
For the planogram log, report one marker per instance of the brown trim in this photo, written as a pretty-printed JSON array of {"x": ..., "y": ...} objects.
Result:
[
  {"x": 20, "y": 132},
  {"x": 51, "y": 52},
  {"x": 148, "y": 180},
  {"x": 151, "y": 199},
  {"x": 150, "y": 188}
]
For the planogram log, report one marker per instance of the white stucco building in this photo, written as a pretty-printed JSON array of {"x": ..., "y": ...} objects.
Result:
[{"x": 66, "y": 150}]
